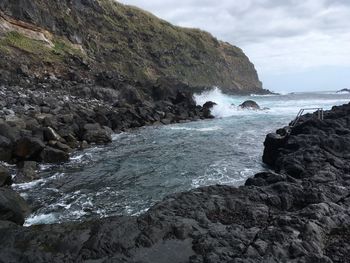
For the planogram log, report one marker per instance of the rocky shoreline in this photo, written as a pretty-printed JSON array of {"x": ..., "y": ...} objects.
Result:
[
  {"x": 44, "y": 124},
  {"x": 297, "y": 213}
]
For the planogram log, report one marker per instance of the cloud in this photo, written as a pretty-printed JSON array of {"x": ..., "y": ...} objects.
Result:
[{"x": 279, "y": 36}]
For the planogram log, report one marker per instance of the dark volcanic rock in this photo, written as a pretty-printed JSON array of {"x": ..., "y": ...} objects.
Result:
[
  {"x": 96, "y": 133},
  {"x": 250, "y": 104},
  {"x": 52, "y": 155},
  {"x": 26, "y": 172},
  {"x": 12, "y": 207},
  {"x": 206, "y": 109},
  {"x": 28, "y": 148},
  {"x": 298, "y": 213},
  {"x": 5, "y": 149}
]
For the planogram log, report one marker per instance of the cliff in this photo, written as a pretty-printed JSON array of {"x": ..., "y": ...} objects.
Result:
[{"x": 82, "y": 40}]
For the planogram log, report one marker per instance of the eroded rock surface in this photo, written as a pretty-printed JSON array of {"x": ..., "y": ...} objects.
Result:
[{"x": 299, "y": 213}]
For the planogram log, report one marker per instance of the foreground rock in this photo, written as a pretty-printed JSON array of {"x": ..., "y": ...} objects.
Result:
[
  {"x": 299, "y": 213},
  {"x": 5, "y": 177},
  {"x": 12, "y": 207}
]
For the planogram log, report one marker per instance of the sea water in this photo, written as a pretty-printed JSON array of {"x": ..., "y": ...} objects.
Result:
[{"x": 141, "y": 167}]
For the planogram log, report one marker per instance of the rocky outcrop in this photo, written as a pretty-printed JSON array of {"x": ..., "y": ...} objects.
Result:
[
  {"x": 45, "y": 124},
  {"x": 85, "y": 40},
  {"x": 298, "y": 213},
  {"x": 250, "y": 104}
]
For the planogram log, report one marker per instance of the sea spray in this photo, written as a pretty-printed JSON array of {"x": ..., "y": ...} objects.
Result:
[{"x": 226, "y": 105}]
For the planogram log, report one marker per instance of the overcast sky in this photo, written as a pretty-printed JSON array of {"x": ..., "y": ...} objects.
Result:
[{"x": 296, "y": 45}]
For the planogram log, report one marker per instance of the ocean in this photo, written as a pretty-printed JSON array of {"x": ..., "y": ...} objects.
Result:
[{"x": 141, "y": 167}]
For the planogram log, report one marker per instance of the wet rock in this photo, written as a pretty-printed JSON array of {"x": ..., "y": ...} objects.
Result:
[
  {"x": 250, "y": 104},
  {"x": 26, "y": 172},
  {"x": 209, "y": 104},
  {"x": 5, "y": 177},
  {"x": 12, "y": 207},
  {"x": 52, "y": 155},
  {"x": 206, "y": 109}
]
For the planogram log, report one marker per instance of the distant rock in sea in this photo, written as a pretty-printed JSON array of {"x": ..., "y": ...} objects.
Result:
[{"x": 343, "y": 91}]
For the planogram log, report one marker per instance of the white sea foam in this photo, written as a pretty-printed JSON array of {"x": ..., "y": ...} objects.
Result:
[
  {"x": 219, "y": 173},
  {"x": 26, "y": 186},
  {"x": 41, "y": 219},
  {"x": 226, "y": 105},
  {"x": 274, "y": 104}
]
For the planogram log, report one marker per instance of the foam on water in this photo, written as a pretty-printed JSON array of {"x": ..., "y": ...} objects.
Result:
[
  {"x": 41, "y": 219},
  {"x": 287, "y": 104},
  {"x": 208, "y": 129}
]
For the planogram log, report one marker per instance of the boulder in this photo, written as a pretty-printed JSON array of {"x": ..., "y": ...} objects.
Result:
[
  {"x": 273, "y": 143},
  {"x": 94, "y": 133},
  {"x": 5, "y": 177},
  {"x": 5, "y": 149},
  {"x": 206, "y": 109},
  {"x": 209, "y": 104},
  {"x": 12, "y": 206},
  {"x": 250, "y": 104},
  {"x": 26, "y": 172},
  {"x": 28, "y": 148},
  {"x": 52, "y": 155},
  {"x": 51, "y": 135},
  {"x": 11, "y": 133}
]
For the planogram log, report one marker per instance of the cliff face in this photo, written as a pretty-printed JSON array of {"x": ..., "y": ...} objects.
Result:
[{"x": 82, "y": 38}]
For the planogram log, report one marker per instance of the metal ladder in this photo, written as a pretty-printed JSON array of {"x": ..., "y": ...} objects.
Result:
[{"x": 320, "y": 115}]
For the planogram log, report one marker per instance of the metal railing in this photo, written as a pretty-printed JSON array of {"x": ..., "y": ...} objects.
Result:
[{"x": 320, "y": 115}]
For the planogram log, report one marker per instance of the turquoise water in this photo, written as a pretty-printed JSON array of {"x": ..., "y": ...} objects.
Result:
[{"x": 140, "y": 168}]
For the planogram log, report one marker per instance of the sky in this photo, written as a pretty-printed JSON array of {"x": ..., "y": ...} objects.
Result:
[{"x": 295, "y": 45}]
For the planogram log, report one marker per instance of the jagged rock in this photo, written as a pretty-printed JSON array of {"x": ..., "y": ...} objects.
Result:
[
  {"x": 12, "y": 207},
  {"x": 5, "y": 177},
  {"x": 273, "y": 143},
  {"x": 250, "y": 104},
  {"x": 52, "y": 155},
  {"x": 276, "y": 217},
  {"x": 206, "y": 109}
]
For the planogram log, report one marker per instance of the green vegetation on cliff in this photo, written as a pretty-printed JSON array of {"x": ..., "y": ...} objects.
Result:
[{"x": 109, "y": 36}]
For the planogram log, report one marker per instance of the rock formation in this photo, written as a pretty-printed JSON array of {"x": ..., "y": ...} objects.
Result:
[{"x": 298, "y": 213}]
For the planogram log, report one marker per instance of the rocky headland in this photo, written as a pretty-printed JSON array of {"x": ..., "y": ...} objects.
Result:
[
  {"x": 74, "y": 72},
  {"x": 297, "y": 213}
]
